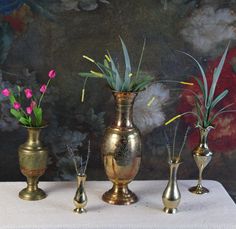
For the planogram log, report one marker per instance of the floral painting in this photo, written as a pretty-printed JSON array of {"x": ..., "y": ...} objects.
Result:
[{"x": 36, "y": 36}]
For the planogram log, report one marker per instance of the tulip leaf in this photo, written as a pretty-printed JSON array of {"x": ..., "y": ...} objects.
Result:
[
  {"x": 38, "y": 116},
  {"x": 24, "y": 121},
  {"x": 16, "y": 114}
]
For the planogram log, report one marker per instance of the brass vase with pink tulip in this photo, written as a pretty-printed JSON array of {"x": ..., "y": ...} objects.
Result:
[{"x": 26, "y": 108}]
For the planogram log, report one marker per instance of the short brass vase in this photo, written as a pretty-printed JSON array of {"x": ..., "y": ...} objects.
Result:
[
  {"x": 202, "y": 156},
  {"x": 33, "y": 162},
  {"x": 171, "y": 196},
  {"x": 80, "y": 199},
  {"x": 121, "y": 151}
]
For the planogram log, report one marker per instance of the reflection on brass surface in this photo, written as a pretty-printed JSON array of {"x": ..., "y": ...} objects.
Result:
[
  {"x": 80, "y": 199},
  {"x": 202, "y": 156},
  {"x": 33, "y": 162},
  {"x": 171, "y": 196},
  {"x": 121, "y": 151}
]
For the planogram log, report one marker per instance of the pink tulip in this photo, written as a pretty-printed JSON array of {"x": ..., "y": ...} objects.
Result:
[
  {"x": 16, "y": 105},
  {"x": 6, "y": 92},
  {"x": 43, "y": 88},
  {"x": 33, "y": 104},
  {"x": 52, "y": 74},
  {"x": 29, "y": 110},
  {"x": 28, "y": 93}
]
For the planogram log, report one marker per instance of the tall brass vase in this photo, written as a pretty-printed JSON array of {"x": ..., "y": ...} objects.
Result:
[
  {"x": 33, "y": 162},
  {"x": 202, "y": 156},
  {"x": 121, "y": 151}
]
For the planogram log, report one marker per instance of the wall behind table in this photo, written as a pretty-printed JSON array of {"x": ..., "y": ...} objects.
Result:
[{"x": 55, "y": 34}]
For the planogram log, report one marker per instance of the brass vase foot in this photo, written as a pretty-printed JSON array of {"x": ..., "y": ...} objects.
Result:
[
  {"x": 170, "y": 210},
  {"x": 120, "y": 195},
  {"x": 199, "y": 189},
  {"x": 80, "y": 210},
  {"x": 27, "y": 194}
]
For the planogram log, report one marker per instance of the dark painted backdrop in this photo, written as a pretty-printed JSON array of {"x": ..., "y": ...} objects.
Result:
[{"x": 36, "y": 36}]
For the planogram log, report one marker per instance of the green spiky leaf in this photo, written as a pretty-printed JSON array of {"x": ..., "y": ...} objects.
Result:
[
  {"x": 203, "y": 76},
  {"x": 216, "y": 76}
]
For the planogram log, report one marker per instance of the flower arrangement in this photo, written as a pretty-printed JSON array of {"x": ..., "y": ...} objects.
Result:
[
  {"x": 171, "y": 144},
  {"x": 109, "y": 70},
  {"x": 27, "y": 108},
  {"x": 205, "y": 106},
  {"x": 79, "y": 164}
]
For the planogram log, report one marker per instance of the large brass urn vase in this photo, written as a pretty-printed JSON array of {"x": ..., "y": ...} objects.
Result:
[
  {"x": 121, "y": 151},
  {"x": 33, "y": 162}
]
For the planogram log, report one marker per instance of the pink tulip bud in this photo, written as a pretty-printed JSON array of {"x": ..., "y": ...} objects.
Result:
[
  {"x": 52, "y": 74},
  {"x": 33, "y": 104},
  {"x": 43, "y": 88},
  {"x": 16, "y": 105},
  {"x": 6, "y": 92},
  {"x": 28, "y": 93},
  {"x": 29, "y": 110}
]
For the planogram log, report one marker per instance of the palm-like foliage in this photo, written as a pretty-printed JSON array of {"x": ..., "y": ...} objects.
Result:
[
  {"x": 204, "y": 107},
  {"x": 109, "y": 71}
]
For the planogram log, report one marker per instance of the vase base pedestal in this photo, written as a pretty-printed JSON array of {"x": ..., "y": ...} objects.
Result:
[
  {"x": 199, "y": 190},
  {"x": 170, "y": 210},
  {"x": 120, "y": 195},
  {"x": 80, "y": 210},
  {"x": 27, "y": 194}
]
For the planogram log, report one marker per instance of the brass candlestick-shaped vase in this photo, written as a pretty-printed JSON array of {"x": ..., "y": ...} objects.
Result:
[
  {"x": 171, "y": 196},
  {"x": 121, "y": 151},
  {"x": 80, "y": 199},
  {"x": 33, "y": 163},
  {"x": 202, "y": 156}
]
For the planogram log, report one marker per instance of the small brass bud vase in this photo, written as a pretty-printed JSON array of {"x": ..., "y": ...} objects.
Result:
[
  {"x": 121, "y": 151},
  {"x": 202, "y": 156},
  {"x": 33, "y": 162},
  {"x": 80, "y": 199},
  {"x": 171, "y": 196}
]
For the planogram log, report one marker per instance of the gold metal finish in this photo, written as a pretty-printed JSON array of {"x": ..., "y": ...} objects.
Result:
[
  {"x": 33, "y": 163},
  {"x": 202, "y": 156},
  {"x": 80, "y": 199},
  {"x": 171, "y": 196},
  {"x": 121, "y": 151}
]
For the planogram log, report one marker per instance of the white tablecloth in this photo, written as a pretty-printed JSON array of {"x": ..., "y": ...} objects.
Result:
[{"x": 215, "y": 210}]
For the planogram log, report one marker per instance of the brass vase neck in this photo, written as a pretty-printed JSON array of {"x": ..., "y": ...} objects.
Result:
[
  {"x": 203, "y": 136},
  {"x": 173, "y": 170},
  {"x": 124, "y": 108},
  {"x": 34, "y": 136},
  {"x": 81, "y": 180}
]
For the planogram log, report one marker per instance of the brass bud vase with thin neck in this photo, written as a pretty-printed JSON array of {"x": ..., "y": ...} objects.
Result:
[
  {"x": 202, "y": 156},
  {"x": 171, "y": 196},
  {"x": 121, "y": 151},
  {"x": 33, "y": 163},
  {"x": 80, "y": 199}
]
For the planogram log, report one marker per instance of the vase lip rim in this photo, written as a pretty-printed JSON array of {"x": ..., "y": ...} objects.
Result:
[
  {"x": 175, "y": 161},
  {"x": 205, "y": 128},
  {"x": 34, "y": 127},
  {"x": 81, "y": 175},
  {"x": 125, "y": 92}
]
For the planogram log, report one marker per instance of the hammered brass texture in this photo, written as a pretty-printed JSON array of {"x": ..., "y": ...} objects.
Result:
[
  {"x": 33, "y": 163},
  {"x": 121, "y": 151}
]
